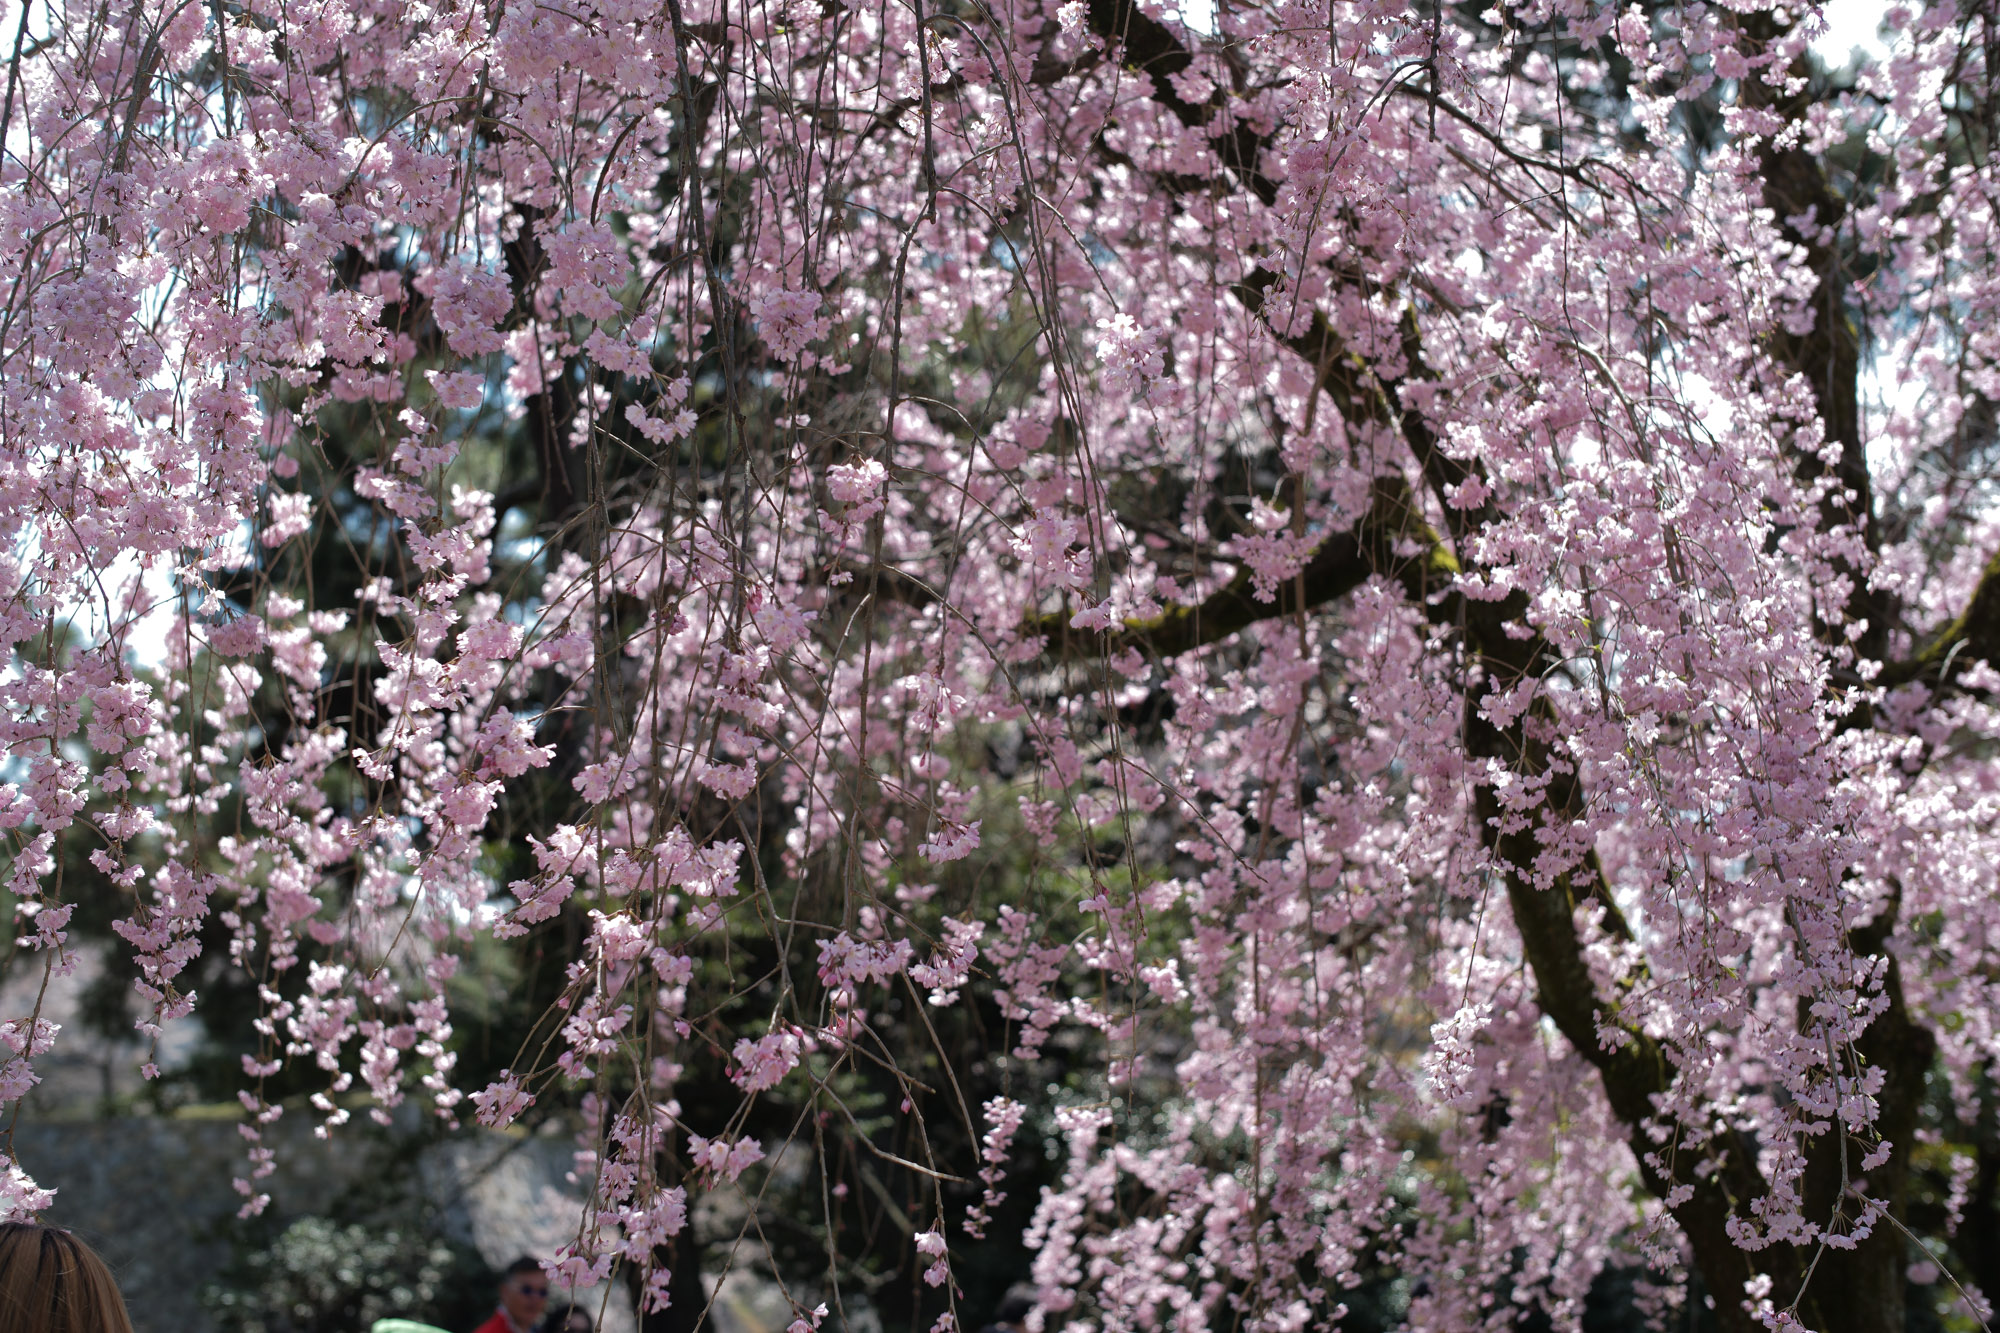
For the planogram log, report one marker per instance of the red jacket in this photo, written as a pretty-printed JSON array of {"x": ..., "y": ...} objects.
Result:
[{"x": 497, "y": 1324}]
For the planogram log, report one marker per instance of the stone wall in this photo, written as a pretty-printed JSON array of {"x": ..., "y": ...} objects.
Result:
[
  {"x": 153, "y": 1193},
  {"x": 154, "y": 1196}
]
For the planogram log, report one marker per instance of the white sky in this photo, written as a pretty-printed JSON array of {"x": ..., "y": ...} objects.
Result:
[{"x": 1851, "y": 23}]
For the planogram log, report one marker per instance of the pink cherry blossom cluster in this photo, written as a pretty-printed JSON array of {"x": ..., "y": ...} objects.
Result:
[{"x": 1427, "y": 629}]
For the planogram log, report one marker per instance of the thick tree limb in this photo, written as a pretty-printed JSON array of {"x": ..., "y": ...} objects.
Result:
[
  {"x": 1973, "y": 637},
  {"x": 1635, "y": 1069},
  {"x": 1827, "y": 355},
  {"x": 1390, "y": 539},
  {"x": 1150, "y": 47}
]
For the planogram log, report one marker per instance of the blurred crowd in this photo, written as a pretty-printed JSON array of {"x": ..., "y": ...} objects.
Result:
[{"x": 52, "y": 1282}]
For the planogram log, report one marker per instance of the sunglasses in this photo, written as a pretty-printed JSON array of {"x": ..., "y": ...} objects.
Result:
[{"x": 532, "y": 1291}]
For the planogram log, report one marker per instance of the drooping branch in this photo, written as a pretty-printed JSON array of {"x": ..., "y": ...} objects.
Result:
[{"x": 1868, "y": 1292}]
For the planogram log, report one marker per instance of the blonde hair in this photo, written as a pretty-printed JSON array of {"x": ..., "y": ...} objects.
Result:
[{"x": 51, "y": 1282}]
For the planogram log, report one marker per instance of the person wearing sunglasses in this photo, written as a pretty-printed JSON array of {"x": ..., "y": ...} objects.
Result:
[{"x": 524, "y": 1294}]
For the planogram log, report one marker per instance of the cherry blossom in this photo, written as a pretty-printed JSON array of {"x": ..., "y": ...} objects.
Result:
[{"x": 1400, "y": 603}]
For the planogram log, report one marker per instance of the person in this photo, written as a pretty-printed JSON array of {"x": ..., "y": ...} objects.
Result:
[
  {"x": 1012, "y": 1316},
  {"x": 567, "y": 1319},
  {"x": 524, "y": 1294},
  {"x": 51, "y": 1282}
]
